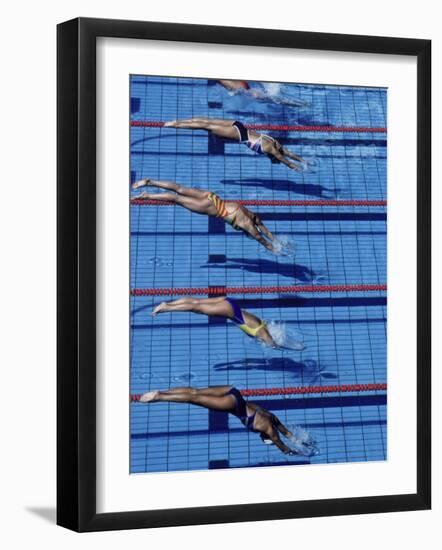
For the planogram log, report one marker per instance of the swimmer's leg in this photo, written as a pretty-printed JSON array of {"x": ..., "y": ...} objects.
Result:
[
  {"x": 160, "y": 197},
  {"x": 198, "y": 123},
  {"x": 217, "y": 126},
  {"x": 180, "y": 189},
  {"x": 218, "y": 391},
  {"x": 141, "y": 183},
  {"x": 193, "y": 204},
  {"x": 161, "y": 184},
  {"x": 210, "y": 306},
  {"x": 182, "y": 304},
  {"x": 194, "y": 397}
]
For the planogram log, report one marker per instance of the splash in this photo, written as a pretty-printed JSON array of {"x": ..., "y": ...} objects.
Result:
[
  {"x": 275, "y": 92},
  {"x": 283, "y": 245},
  {"x": 309, "y": 165},
  {"x": 302, "y": 442},
  {"x": 159, "y": 262},
  {"x": 273, "y": 89},
  {"x": 285, "y": 338},
  {"x": 318, "y": 278},
  {"x": 185, "y": 378}
]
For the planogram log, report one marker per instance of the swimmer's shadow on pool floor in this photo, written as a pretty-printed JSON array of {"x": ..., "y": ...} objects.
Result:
[
  {"x": 309, "y": 189},
  {"x": 309, "y": 370},
  {"x": 295, "y": 271}
]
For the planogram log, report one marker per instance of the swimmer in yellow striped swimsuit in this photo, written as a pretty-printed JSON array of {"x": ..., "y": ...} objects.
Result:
[
  {"x": 222, "y": 211},
  {"x": 204, "y": 202},
  {"x": 222, "y": 307}
]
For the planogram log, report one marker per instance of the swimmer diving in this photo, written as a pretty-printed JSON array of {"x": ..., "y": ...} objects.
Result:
[
  {"x": 262, "y": 144},
  {"x": 253, "y": 417},
  {"x": 209, "y": 204},
  {"x": 269, "y": 334}
]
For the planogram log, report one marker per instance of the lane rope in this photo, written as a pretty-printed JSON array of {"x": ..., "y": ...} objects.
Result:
[
  {"x": 223, "y": 290},
  {"x": 271, "y": 202},
  {"x": 300, "y": 390},
  {"x": 278, "y": 127}
]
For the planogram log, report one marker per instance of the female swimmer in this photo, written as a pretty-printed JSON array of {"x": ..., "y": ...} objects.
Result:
[
  {"x": 230, "y": 400},
  {"x": 222, "y": 307},
  {"x": 233, "y": 129},
  {"x": 205, "y": 202},
  {"x": 234, "y": 85},
  {"x": 243, "y": 87}
]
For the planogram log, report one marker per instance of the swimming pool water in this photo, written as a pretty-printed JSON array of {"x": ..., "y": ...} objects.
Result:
[{"x": 344, "y": 333}]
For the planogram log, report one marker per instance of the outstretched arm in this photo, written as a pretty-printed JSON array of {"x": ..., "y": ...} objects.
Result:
[
  {"x": 273, "y": 435},
  {"x": 253, "y": 232},
  {"x": 291, "y": 155},
  {"x": 282, "y": 159},
  {"x": 280, "y": 427}
]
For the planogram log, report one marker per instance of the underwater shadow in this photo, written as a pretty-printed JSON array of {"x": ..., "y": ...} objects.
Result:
[
  {"x": 315, "y": 190},
  {"x": 309, "y": 369},
  {"x": 295, "y": 271}
]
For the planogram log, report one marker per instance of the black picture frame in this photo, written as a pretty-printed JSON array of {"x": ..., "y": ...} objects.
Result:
[{"x": 76, "y": 272}]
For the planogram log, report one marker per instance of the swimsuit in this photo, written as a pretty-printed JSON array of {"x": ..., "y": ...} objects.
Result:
[
  {"x": 253, "y": 145},
  {"x": 240, "y": 410},
  {"x": 238, "y": 319},
  {"x": 222, "y": 212}
]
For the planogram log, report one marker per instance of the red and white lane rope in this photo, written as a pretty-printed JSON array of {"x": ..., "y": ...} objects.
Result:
[
  {"x": 271, "y": 202},
  {"x": 228, "y": 290},
  {"x": 301, "y": 390},
  {"x": 280, "y": 127}
]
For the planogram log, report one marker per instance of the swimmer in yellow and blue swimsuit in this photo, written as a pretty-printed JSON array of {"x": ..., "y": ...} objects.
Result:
[
  {"x": 250, "y": 324},
  {"x": 204, "y": 202}
]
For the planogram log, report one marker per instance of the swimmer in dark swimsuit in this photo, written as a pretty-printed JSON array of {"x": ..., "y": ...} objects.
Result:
[
  {"x": 233, "y": 129},
  {"x": 205, "y": 202},
  {"x": 221, "y": 307},
  {"x": 230, "y": 400}
]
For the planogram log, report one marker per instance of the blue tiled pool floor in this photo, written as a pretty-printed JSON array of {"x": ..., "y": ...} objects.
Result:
[{"x": 344, "y": 333}]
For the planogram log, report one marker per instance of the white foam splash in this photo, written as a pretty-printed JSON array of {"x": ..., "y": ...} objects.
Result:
[
  {"x": 283, "y": 245},
  {"x": 309, "y": 165},
  {"x": 302, "y": 442},
  {"x": 284, "y": 337},
  {"x": 273, "y": 89}
]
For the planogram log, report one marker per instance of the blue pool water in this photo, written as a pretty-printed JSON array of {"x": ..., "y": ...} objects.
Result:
[{"x": 344, "y": 333}]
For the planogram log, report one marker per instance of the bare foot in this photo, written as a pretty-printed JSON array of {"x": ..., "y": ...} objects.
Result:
[
  {"x": 170, "y": 124},
  {"x": 141, "y": 183},
  {"x": 158, "y": 309},
  {"x": 143, "y": 195},
  {"x": 149, "y": 396}
]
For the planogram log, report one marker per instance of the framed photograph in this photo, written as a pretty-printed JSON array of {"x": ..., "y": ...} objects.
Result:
[{"x": 243, "y": 274}]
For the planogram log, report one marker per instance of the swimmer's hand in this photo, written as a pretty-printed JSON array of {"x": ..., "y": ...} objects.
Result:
[{"x": 141, "y": 183}]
